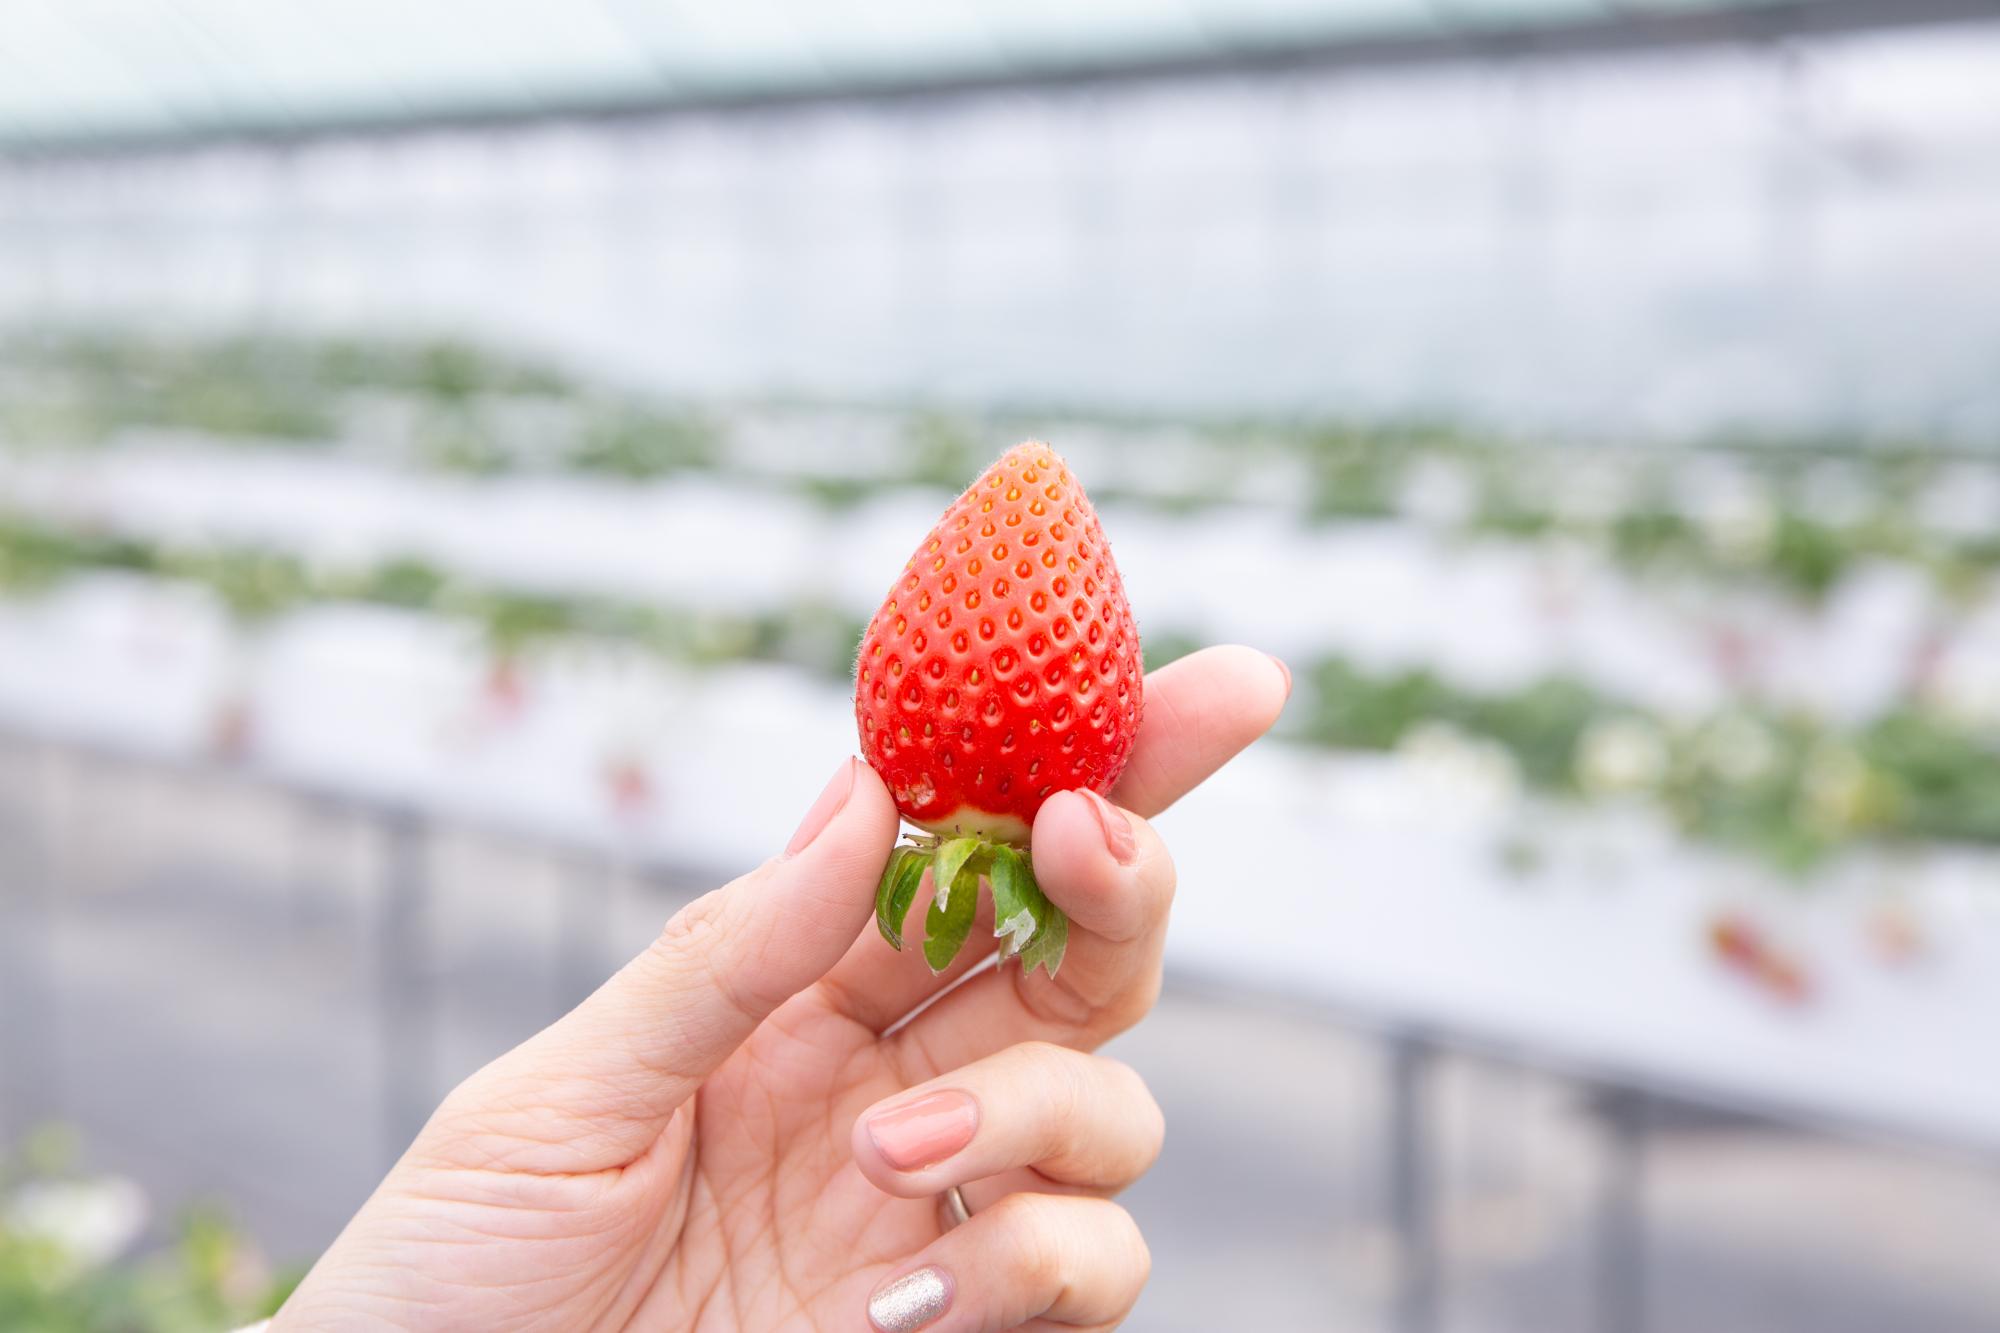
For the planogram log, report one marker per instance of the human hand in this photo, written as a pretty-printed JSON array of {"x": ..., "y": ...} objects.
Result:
[{"x": 738, "y": 1132}]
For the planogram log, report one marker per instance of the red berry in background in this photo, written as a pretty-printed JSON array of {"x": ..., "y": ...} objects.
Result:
[
  {"x": 1736, "y": 940},
  {"x": 506, "y": 689},
  {"x": 232, "y": 727},
  {"x": 1785, "y": 978},
  {"x": 1740, "y": 944},
  {"x": 1003, "y": 667},
  {"x": 629, "y": 785},
  {"x": 1895, "y": 934}
]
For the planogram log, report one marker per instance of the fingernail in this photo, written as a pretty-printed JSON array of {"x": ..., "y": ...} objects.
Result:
[
  {"x": 823, "y": 810},
  {"x": 1117, "y": 829},
  {"x": 911, "y": 1301},
  {"x": 924, "y": 1131},
  {"x": 1283, "y": 670}
]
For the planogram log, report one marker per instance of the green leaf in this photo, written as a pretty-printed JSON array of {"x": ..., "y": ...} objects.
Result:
[
  {"x": 954, "y": 901},
  {"x": 896, "y": 891},
  {"x": 951, "y": 858},
  {"x": 1046, "y": 950},
  {"x": 1019, "y": 909},
  {"x": 886, "y": 885}
]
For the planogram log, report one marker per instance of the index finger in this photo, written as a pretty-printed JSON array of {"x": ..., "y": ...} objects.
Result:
[{"x": 1200, "y": 712}]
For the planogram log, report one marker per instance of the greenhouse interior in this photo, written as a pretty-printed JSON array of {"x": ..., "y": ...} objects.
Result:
[{"x": 451, "y": 456}]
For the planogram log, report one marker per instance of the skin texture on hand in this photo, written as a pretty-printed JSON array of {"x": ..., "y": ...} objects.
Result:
[{"x": 692, "y": 1147}]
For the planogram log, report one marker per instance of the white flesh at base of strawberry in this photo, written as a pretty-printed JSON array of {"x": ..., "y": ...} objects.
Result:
[{"x": 969, "y": 822}]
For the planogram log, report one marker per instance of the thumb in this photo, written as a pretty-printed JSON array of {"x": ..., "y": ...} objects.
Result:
[{"x": 593, "y": 1090}]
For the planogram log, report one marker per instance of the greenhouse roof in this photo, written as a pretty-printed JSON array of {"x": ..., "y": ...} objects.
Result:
[{"x": 96, "y": 74}]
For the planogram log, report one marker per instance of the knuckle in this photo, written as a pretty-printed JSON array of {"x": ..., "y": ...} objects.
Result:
[
  {"x": 1039, "y": 1054},
  {"x": 1147, "y": 895},
  {"x": 1141, "y": 1267},
  {"x": 1166, "y": 879},
  {"x": 1068, "y": 1090},
  {"x": 697, "y": 940},
  {"x": 696, "y": 926},
  {"x": 1144, "y": 1123},
  {"x": 1134, "y": 1000},
  {"x": 1038, "y": 1237}
]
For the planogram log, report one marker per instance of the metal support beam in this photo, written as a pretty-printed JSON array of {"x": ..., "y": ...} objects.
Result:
[
  {"x": 1410, "y": 1188},
  {"x": 406, "y": 993},
  {"x": 584, "y": 904},
  {"x": 1618, "y": 28},
  {"x": 28, "y": 1073},
  {"x": 1621, "y": 1258}
]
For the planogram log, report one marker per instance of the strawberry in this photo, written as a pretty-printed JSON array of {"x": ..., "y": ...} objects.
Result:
[
  {"x": 1003, "y": 667},
  {"x": 1739, "y": 942},
  {"x": 1735, "y": 939}
]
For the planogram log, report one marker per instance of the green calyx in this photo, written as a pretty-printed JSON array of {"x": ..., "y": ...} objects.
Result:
[{"x": 1026, "y": 923}]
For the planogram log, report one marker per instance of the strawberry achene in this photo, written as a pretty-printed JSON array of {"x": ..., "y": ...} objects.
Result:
[
  {"x": 1003, "y": 668},
  {"x": 1004, "y": 665}
]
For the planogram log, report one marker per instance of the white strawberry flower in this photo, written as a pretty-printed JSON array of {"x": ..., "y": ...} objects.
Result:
[
  {"x": 1737, "y": 748},
  {"x": 1836, "y": 784},
  {"x": 1621, "y": 755},
  {"x": 90, "y": 1221},
  {"x": 1467, "y": 772},
  {"x": 1739, "y": 525},
  {"x": 1967, "y": 689}
]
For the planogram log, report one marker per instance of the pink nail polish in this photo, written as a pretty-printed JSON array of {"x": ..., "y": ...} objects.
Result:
[
  {"x": 924, "y": 1131},
  {"x": 823, "y": 810},
  {"x": 1117, "y": 830}
]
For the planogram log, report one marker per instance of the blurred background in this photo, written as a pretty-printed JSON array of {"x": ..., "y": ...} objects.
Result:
[{"x": 448, "y": 452}]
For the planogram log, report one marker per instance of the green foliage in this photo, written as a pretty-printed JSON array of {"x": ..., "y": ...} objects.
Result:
[
  {"x": 954, "y": 902},
  {"x": 1354, "y": 473},
  {"x": 34, "y": 556},
  {"x": 256, "y": 585},
  {"x": 897, "y": 890},
  {"x": 1812, "y": 789},
  {"x": 454, "y": 439},
  {"x": 84, "y": 387},
  {"x": 1809, "y": 556},
  {"x": 1541, "y": 725},
  {"x": 1353, "y": 709},
  {"x": 1164, "y": 646},
  {"x": 1801, "y": 792},
  {"x": 92, "y": 385},
  {"x": 203, "y": 1278},
  {"x": 1942, "y": 782},
  {"x": 836, "y": 493},
  {"x": 640, "y": 445},
  {"x": 268, "y": 387},
  {"x": 942, "y": 451},
  {"x": 406, "y": 582},
  {"x": 447, "y": 370}
]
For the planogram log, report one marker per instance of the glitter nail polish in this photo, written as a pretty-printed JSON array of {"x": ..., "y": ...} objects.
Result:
[{"x": 911, "y": 1301}]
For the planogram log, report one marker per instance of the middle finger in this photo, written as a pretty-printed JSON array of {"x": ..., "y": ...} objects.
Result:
[{"x": 1080, "y": 1120}]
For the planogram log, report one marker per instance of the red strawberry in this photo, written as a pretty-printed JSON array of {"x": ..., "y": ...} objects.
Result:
[
  {"x": 1736, "y": 940},
  {"x": 1003, "y": 667}
]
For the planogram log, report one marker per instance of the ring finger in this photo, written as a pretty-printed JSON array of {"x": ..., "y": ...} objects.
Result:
[{"x": 1033, "y": 1261}]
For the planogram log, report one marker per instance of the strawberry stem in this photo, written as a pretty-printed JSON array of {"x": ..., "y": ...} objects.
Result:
[{"x": 1026, "y": 923}]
